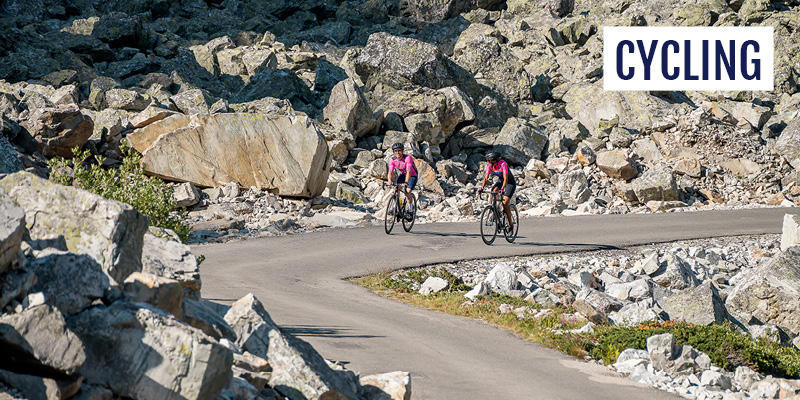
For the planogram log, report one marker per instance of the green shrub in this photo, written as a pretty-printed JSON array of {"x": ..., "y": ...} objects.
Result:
[
  {"x": 726, "y": 347},
  {"x": 128, "y": 184},
  {"x": 407, "y": 280}
]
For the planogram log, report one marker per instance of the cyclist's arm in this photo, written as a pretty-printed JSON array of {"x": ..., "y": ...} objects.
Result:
[
  {"x": 505, "y": 176},
  {"x": 409, "y": 165},
  {"x": 389, "y": 175},
  {"x": 485, "y": 176}
]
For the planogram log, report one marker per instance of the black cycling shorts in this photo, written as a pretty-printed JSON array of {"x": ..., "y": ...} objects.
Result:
[{"x": 508, "y": 191}]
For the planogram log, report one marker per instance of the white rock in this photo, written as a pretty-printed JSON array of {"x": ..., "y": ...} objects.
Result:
[
  {"x": 791, "y": 231},
  {"x": 713, "y": 378},
  {"x": 502, "y": 278},
  {"x": 433, "y": 285},
  {"x": 481, "y": 289},
  {"x": 629, "y": 366}
]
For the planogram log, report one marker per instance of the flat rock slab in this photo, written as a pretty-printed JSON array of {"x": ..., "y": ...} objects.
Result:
[{"x": 284, "y": 154}]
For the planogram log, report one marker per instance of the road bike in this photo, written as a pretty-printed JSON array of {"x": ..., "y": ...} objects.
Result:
[
  {"x": 493, "y": 219},
  {"x": 397, "y": 210}
]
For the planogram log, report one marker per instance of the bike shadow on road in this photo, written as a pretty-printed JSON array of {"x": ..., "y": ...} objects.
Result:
[
  {"x": 521, "y": 241},
  {"x": 323, "y": 331}
]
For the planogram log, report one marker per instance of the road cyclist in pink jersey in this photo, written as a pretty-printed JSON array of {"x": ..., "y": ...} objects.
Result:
[
  {"x": 407, "y": 173},
  {"x": 495, "y": 166}
]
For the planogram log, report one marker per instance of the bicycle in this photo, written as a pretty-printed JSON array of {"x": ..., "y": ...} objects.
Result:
[
  {"x": 493, "y": 218},
  {"x": 396, "y": 211}
]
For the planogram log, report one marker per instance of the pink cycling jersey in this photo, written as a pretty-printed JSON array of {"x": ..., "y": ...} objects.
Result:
[
  {"x": 403, "y": 165},
  {"x": 502, "y": 168}
]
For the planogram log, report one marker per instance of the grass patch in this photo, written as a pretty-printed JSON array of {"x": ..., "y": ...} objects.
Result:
[{"x": 726, "y": 347}]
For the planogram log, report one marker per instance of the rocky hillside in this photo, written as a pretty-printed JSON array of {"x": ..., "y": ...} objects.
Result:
[
  {"x": 451, "y": 79},
  {"x": 93, "y": 305}
]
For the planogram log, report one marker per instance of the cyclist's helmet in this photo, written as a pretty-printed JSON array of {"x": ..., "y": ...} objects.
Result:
[
  {"x": 492, "y": 156},
  {"x": 397, "y": 146}
]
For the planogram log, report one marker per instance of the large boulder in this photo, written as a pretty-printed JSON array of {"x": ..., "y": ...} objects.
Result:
[
  {"x": 788, "y": 143},
  {"x": 588, "y": 103},
  {"x": 12, "y": 228},
  {"x": 162, "y": 293},
  {"x": 616, "y": 164},
  {"x": 9, "y": 163},
  {"x": 70, "y": 282},
  {"x": 37, "y": 339},
  {"x": 284, "y": 154},
  {"x": 771, "y": 292},
  {"x": 143, "y": 353},
  {"x": 57, "y": 130},
  {"x": 349, "y": 111},
  {"x": 438, "y": 10},
  {"x": 790, "y": 235},
  {"x": 657, "y": 183},
  {"x": 298, "y": 371},
  {"x": 700, "y": 306},
  {"x": 678, "y": 274},
  {"x": 480, "y": 49},
  {"x": 414, "y": 60},
  {"x": 164, "y": 255},
  {"x": 106, "y": 230},
  {"x": 519, "y": 141}
]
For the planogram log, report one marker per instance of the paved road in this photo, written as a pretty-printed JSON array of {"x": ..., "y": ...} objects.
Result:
[{"x": 299, "y": 280}]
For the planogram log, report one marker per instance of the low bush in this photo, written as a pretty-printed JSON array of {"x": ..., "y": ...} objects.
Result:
[
  {"x": 726, "y": 347},
  {"x": 128, "y": 184}
]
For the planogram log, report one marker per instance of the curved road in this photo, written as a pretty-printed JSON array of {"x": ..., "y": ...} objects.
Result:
[{"x": 299, "y": 280}]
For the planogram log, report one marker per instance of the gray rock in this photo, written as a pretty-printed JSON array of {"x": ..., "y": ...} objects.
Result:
[
  {"x": 9, "y": 163},
  {"x": 502, "y": 278},
  {"x": 349, "y": 111},
  {"x": 185, "y": 194},
  {"x": 633, "y": 291},
  {"x": 247, "y": 159},
  {"x": 164, "y": 256},
  {"x": 661, "y": 349},
  {"x": 30, "y": 386},
  {"x": 108, "y": 231},
  {"x": 125, "y": 99},
  {"x": 298, "y": 371},
  {"x": 200, "y": 315},
  {"x": 600, "y": 300},
  {"x": 771, "y": 291},
  {"x": 633, "y": 354},
  {"x": 15, "y": 284},
  {"x": 433, "y": 285},
  {"x": 657, "y": 183},
  {"x": 770, "y": 332},
  {"x": 57, "y": 130},
  {"x": 744, "y": 377},
  {"x": 394, "y": 385},
  {"x": 790, "y": 234},
  {"x": 192, "y": 101},
  {"x": 701, "y": 305},
  {"x": 481, "y": 289},
  {"x": 419, "y": 62},
  {"x": 70, "y": 282},
  {"x": 162, "y": 293},
  {"x": 518, "y": 141},
  {"x": 788, "y": 143},
  {"x": 678, "y": 274},
  {"x": 715, "y": 378},
  {"x": 141, "y": 352},
  {"x": 615, "y": 164},
  {"x": 37, "y": 339},
  {"x": 632, "y": 315},
  {"x": 12, "y": 228}
]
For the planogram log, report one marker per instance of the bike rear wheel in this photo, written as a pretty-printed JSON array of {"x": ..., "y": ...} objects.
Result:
[
  {"x": 388, "y": 219},
  {"x": 512, "y": 235},
  {"x": 488, "y": 225},
  {"x": 408, "y": 223}
]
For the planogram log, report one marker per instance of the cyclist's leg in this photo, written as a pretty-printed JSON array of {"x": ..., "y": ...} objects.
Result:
[
  {"x": 412, "y": 182},
  {"x": 508, "y": 193}
]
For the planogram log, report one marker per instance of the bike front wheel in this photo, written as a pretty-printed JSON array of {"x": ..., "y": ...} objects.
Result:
[
  {"x": 511, "y": 235},
  {"x": 388, "y": 219},
  {"x": 408, "y": 221},
  {"x": 488, "y": 225}
]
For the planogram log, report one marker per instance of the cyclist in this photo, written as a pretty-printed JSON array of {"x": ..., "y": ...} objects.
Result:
[
  {"x": 407, "y": 171},
  {"x": 498, "y": 167}
]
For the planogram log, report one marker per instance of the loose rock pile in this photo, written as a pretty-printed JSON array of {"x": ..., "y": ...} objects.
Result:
[
  {"x": 304, "y": 98},
  {"x": 751, "y": 282},
  {"x": 96, "y": 305}
]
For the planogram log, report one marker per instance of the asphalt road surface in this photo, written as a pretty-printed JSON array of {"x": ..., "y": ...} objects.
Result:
[{"x": 299, "y": 279}]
